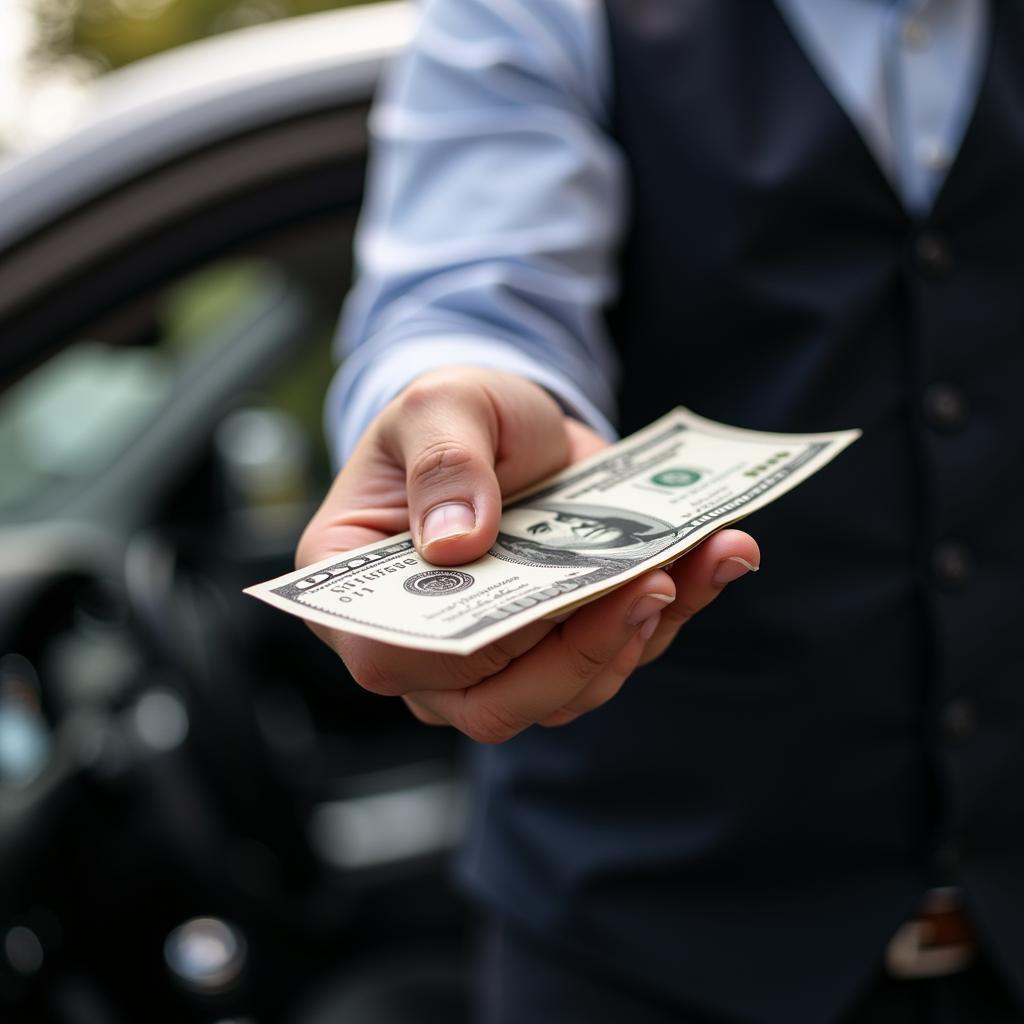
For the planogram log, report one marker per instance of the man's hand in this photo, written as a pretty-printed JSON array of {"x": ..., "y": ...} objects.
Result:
[{"x": 437, "y": 461}]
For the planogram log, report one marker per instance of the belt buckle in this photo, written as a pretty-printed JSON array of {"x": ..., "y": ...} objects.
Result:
[{"x": 923, "y": 947}]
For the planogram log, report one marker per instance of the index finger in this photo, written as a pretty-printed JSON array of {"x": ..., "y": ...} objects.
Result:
[
  {"x": 393, "y": 671},
  {"x": 552, "y": 673}
]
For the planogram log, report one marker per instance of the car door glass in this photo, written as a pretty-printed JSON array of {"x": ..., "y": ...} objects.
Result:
[{"x": 72, "y": 416}]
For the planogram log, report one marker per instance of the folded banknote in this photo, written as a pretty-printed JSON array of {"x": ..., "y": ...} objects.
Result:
[{"x": 596, "y": 525}]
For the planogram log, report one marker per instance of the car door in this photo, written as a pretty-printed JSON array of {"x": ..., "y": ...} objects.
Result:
[{"x": 169, "y": 749}]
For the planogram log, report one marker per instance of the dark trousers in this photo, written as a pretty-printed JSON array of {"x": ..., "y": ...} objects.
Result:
[{"x": 522, "y": 982}]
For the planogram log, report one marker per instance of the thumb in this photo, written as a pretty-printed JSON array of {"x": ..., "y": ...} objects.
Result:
[{"x": 446, "y": 435}]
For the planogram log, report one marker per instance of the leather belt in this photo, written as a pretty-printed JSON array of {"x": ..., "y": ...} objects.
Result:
[{"x": 939, "y": 939}]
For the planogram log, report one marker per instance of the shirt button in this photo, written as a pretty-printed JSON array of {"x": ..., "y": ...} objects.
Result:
[
  {"x": 952, "y": 565},
  {"x": 915, "y": 34},
  {"x": 933, "y": 253},
  {"x": 933, "y": 155},
  {"x": 945, "y": 407},
  {"x": 959, "y": 720}
]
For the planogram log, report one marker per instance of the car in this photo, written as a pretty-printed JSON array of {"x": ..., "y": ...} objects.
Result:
[{"x": 201, "y": 816}]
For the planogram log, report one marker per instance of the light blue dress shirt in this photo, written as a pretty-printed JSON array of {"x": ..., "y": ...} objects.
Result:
[{"x": 496, "y": 196}]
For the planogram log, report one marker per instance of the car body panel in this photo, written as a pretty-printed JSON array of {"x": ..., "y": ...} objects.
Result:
[{"x": 155, "y": 111}]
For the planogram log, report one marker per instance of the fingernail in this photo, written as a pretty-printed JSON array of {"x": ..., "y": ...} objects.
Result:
[
  {"x": 648, "y": 628},
  {"x": 562, "y": 618},
  {"x": 732, "y": 568},
  {"x": 445, "y": 521},
  {"x": 650, "y": 604}
]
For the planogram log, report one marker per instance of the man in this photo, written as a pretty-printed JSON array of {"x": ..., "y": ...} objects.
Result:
[{"x": 805, "y": 215}]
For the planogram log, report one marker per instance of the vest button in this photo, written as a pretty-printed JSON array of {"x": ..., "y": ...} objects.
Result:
[
  {"x": 959, "y": 720},
  {"x": 933, "y": 253},
  {"x": 952, "y": 565},
  {"x": 945, "y": 407},
  {"x": 948, "y": 858}
]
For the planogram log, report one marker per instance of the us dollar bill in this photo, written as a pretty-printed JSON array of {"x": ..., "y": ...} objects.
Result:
[{"x": 593, "y": 527}]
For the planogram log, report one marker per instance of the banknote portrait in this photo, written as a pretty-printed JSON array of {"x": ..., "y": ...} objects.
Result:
[{"x": 550, "y": 533}]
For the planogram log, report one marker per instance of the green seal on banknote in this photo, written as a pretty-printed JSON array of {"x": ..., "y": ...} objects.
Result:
[{"x": 676, "y": 477}]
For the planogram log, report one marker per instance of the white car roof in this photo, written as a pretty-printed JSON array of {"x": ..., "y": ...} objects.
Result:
[
  {"x": 230, "y": 64},
  {"x": 196, "y": 95}
]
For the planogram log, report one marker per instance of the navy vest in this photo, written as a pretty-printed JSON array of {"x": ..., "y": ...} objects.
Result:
[{"x": 745, "y": 826}]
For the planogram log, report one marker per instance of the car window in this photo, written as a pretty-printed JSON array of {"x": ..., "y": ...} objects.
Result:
[{"x": 71, "y": 417}]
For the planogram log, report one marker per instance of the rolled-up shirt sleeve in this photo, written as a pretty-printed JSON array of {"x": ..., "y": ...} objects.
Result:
[{"x": 495, "y": 204}]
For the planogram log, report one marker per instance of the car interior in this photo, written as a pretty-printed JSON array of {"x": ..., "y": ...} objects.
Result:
[{"x": 202, "y": 817}]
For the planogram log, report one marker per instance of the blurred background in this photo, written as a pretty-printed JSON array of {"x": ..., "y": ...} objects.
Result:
[
  {"x": 201, "y": 817},
  {"x": 50, "y": 48}
]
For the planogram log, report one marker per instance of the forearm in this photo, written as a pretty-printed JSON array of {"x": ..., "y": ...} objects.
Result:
[{"x": 495, "y": 203}]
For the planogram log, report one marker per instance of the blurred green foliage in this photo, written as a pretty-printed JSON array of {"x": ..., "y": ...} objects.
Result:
[{"x": 111, "y": 33}]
